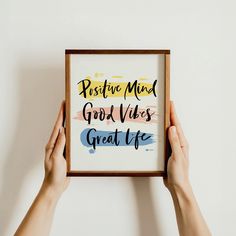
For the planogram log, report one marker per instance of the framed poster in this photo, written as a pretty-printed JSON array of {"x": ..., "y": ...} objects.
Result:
[{"x": 117, "y": 112}]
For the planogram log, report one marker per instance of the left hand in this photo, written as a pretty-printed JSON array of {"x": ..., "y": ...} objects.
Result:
[{"x": 178, "y": 163}]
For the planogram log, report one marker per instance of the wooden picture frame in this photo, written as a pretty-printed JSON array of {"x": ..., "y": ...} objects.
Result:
[{"x": 69, "y": 54}]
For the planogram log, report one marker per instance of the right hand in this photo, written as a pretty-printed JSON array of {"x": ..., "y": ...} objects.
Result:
[{"x": 55, "y": 164}]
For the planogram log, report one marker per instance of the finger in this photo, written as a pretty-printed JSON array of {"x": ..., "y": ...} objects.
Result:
[
  {"x": 54, "y": 134},
  {"x": 175, "y": 121},
  {"x": 60, "y": 144},
  {"x": 174, "y": 142}
]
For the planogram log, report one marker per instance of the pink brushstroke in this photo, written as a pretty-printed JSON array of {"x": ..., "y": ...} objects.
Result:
[{"x": 116, "y": 115}]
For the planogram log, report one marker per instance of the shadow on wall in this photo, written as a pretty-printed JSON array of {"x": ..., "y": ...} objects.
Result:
[
  {"x": 147, "y": 215},
  {"x": 40, "y": 91}
]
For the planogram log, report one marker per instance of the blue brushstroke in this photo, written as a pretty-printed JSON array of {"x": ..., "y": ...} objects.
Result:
[
  {"x": 91, "y": 151},
  {"x": 121, "y": 137}
]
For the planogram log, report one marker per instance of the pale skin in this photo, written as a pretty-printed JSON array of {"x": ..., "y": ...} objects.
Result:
[
  {"x": 39, "y": 217},
  {"x": 189, "y": 218}
]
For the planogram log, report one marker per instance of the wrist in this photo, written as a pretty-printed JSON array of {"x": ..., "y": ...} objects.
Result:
[
  {"x": 49, "y": 194},
  {"x": 182, "y": 194}
]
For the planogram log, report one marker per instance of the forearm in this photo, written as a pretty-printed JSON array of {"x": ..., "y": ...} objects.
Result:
[
  {"x": 189, "y": 218},
  {"x": 38, "y": 219}
]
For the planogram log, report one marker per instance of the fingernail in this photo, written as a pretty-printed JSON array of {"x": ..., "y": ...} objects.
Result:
[
  {"x": 173, "y": 104},
  {"x": 61, "y": 129},
  {"x": 174, "y": 130}
]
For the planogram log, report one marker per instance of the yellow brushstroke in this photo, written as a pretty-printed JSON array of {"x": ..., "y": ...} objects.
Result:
[
  {"x": 117, "y": 76},
  {"x": 143, "y": 78},
  {"x": 96, "y": 87},
  {"x": 98, "y": 74}
]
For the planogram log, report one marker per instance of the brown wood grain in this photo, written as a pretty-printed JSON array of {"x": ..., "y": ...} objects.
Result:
[
  {"x": 137, "y": 173},
  {"x": 68, "y": 100},
  {"x": 167, "y": 110},
  {"x": 117, "y": 51},
  {"x": 116, "y": 173}
]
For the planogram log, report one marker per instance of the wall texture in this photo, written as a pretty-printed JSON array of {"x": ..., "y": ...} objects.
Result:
[{"x": 33, "y": 37}]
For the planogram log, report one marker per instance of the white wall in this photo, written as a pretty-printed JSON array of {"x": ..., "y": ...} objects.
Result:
[{"x": 33, "y": 37}]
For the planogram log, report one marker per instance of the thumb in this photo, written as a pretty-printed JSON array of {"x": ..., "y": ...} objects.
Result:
[
  {"x": 174, "y": 141},
  {"x": 60, "y": 144}
]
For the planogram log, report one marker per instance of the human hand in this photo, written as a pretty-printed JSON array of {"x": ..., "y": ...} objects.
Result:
[
  {"x": 39, "y": 217},
  {"x": 189, "y": 218},
  {"x": 178, "y": 163},
  {"x": 55, "y": 179}
]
